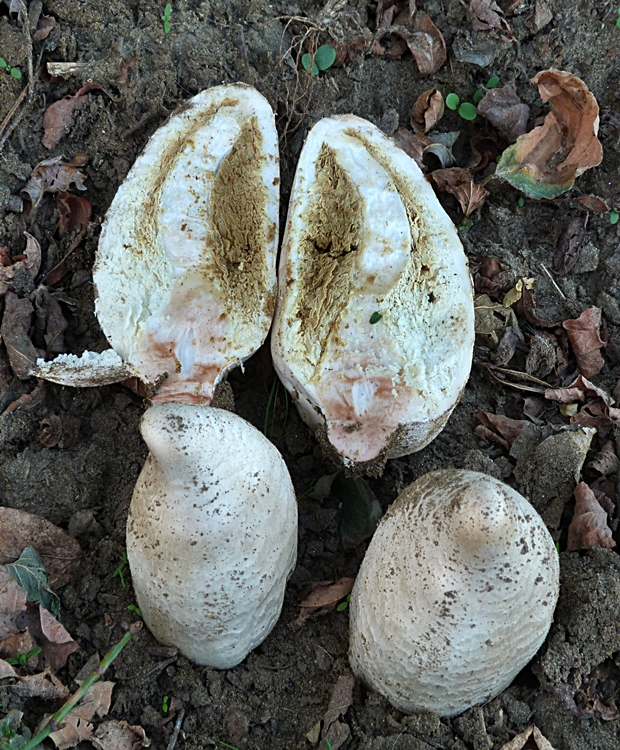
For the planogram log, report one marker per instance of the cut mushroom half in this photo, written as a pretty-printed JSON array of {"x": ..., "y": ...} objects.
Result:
[
  {"x": 374, "y": 324},
  {"x": 185, "y": 274}
]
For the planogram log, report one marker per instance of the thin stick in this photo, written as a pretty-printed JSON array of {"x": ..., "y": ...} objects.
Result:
[
  {"x": 54, "y": 721},
  {"x": 177, "y": 729},
  {"x": 552, "y": 280}
]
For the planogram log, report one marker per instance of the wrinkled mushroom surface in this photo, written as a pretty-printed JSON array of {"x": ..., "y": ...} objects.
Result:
[
  {"x": 374, "y": 324},
  {"x": 455, "y": 594},
  {"x": 211, "y": 534},
  {"x": 185, "y": 273}
]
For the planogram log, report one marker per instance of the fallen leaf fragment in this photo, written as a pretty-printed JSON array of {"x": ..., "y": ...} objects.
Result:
[
  {"x": 427, "y": 111},
  {"x": 76, "y": 725},
  {"x": 499, "y": 429},
  {"x": 54, "y": 176},
  {"x": 593, "y": 203},
  {"x": 413, "y": 144},
  {"x": 324, "y": 596},
  {"x": 59, "y": 430},
  {"x": 58, "y": 117},
  {"x": 119, "y": 735},
  {"x": 44, "y": 685},
  {"x": 14, "y": 330},
  {"x": 578, "y": 390},
  {"x": 569, "y": 246},
  {"x": 516, "y": 293},
  {"x": 54, "y": 639},
  {"x": 427, "y": 44},
  {"x": 541, "y": 17},
  {"x": 532, "y": 737},
  {"x": 486, "y": 15},
  {"x": 546, "y": 161},
  {"x": 45, "y": 25},
  {"x": 583, "y": 333},
  {"x": 6, "y": 670},
  {"x": 29, "y": 264},
  {"x": 20, "y": 643},
  {"x": 60, "y": 553},
  {"x": 502, "y": 108},
  {"x": 605, "y": 462},
  {"x": 459, "y": 183},
  {"x": 589, "y": 525},
  {"x": 341, "y": 699}
]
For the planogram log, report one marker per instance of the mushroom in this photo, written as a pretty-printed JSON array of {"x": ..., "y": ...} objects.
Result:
[
  {"x": 373, "y": 333},
  {"x": 185, "y": 274},
  {"x": 455, "y": 594},
  {"x": 211, "y": 534}
]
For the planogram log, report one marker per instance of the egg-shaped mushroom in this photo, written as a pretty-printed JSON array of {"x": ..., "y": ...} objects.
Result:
[
  {"x": 211, "y": 534},
  {"x": 373, "y": 333},
  {"x": 185, "y": 273},
  {"x": 455, "y": 594}
]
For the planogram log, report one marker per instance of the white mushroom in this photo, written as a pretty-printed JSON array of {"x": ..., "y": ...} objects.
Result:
[
  {"x": 211, "y": 534},
  {"x": 455, "y": 594},
  {"x": 374, "y": 324},
  {"x": 185, "y": 272}
]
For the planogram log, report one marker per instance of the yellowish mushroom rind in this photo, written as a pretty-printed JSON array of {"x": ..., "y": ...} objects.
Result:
[
  {"x": 374, "y": 324},
  {"x": 455, "y": 595}
]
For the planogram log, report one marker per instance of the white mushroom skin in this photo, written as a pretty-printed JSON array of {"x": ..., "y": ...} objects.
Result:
[
  {"x": 365, "y": 234},
  {"x": 185, "y": 274},
  {"x": 211, "y": 533},
  {"x": 455, "y": 594}
]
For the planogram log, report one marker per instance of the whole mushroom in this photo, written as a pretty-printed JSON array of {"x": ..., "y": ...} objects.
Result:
[
  {"x": 211, "y": 534},
  {"x": 373, "y": 333},
  {"x": 455, "y": 594}
]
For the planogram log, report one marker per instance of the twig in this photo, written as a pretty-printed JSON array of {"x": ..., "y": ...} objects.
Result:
[
  {"x": 552, "y": 280},
  {"x": 177, "y": 729},
  {"x": 54, "y": 721}
]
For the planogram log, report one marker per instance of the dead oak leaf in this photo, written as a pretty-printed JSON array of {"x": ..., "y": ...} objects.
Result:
[
  {"x": 426, "y": 44},
  {"x": 459, "y": 183},
  {"x": 589, "y": 525},
  {"x": 531, "y": 738},
  {"x": 119, "y": 735},
  {"x": 58, "y": 117},
  {"x": 324, "y": 596},
  {"x": 583, "y": 333},
  {"x": 53, "y": 176},
  {"x": 486, "y": 15},
  {"x": 427, "y": 111},
  {"x": 546, "y": 161}
]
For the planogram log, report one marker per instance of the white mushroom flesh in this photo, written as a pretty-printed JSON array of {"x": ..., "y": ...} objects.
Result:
[
  {"x": 365, "y": 234},
  {"x": 455, "y": 594},
  {"x": 211, "y": 539}
]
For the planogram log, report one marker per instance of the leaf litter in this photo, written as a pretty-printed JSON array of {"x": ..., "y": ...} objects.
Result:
[
  {"x": 589, "y": 525},
  {"x": 324, "y": 597},
  {"x": 584, "y": 335},
  {"x": 459, "y": 183}
]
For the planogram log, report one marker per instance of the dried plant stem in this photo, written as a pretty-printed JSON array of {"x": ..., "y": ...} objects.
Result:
[{"x": 54, "y": 721}]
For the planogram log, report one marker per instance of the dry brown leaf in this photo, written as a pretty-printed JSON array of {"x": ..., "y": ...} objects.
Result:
[
  {"x": 578, "y": 390},
  {"x": 54, "y": 176},
  {"x": 427, "y": 111},
  {"x": 59, "y": 430},
  {"x": 532, "y": 737},
  {"x": 12, "y": 603},
  {"x": 20, "y": 643},
  {"x": 55, "y": 641},
  {"x": 44, "y": 685},
  {"x": 28, "y": 264},
  {"x": 605, "y": 462},
  {"x": 119, "y": 735},
  {"x": 546, "y": 161},
  {"x": 76, "y": 725},
  {"x": 499, "y": 429},
  {"x": 426, "y": 44},
  {"x": 324, "y": 596},
  {"x": 486, "y": 15},
  {"x": 45, "y": 25},
  {"x": 413, "y": 144},
  {"x": 593, "y": 203},
  {"x": 485, "y": 148},
  {"x": 569, "y": 246},
  {"x": 541, "y": 17},
  {"x": 459, "y": 183},
  {"x": 6, "y": 670},
  {"x": 60, "y": 553},
  {"x": 583, "y": 333},
  {"x": 502, "y": 108},
  {"x": 589, "y": 525},
  {"x": 341, "y": 699},
  {"x": 50, "y": 323},
  {"x": 15, "y": 326},
  {"x": 58, "y": 117}
]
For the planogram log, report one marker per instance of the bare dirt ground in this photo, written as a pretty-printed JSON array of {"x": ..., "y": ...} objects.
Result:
[{"x": 280, "y": 692}]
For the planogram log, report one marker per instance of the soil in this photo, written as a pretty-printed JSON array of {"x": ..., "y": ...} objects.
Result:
[{"x": 282, "y": 689}]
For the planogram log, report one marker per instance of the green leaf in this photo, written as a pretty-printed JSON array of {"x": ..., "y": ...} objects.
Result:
[
  {"x": 305, "y": 61},
  {"x": 342, "y": 606},
  {"x": 30, "y": 573},
  {"x": 166, "y": 27},
  {"x": 618, "y": 23},
  {"x": 467, "y": 111},
  {"x": 375, "y": 318},
  {"x": 452, "y": 101},
  {"x": 16, "y": 73},
  {"x": 492, "y": 82},
  {"x": 3, "y": 63},
  {"x": 521, "y": 202},
  {"x": 168, "y": 9},
  {"x": 614, "y": 216},
  {"x": 325, "y": 57},
  {"x": 478, "y": 96}
]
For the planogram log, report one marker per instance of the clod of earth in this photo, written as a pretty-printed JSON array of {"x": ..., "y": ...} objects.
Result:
[
  {"x": 191, "y": 236},
  {"x": 211, "y": 534},
  {"x": 455, "y": 594},
  {"x": 365, "y": 234}
]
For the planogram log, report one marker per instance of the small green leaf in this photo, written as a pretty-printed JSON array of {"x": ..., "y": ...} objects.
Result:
[
  {"x": 305, "y": 61},
  {"x": 521, "y": 202},
  {"x": 467, "y": 111},
  {"x": 478, "y": 96},
  {"x": 328, "y": 744},
  {"x": 342, "y": 606},
  {"x": 166, "y": 27},
  {"x": 325, "y": 56},
  {"x": 16, "y": 73},
  {"x": 375, "y": 318},
  {"x": 30, "y": 573},
  {"x": 452, "y": 101},
  {"x": 614, "y": 216},
  {"x": 492, "y": 82},
  {"x": 618, "y": 23},
  {"x": 3, "y": 63}
]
